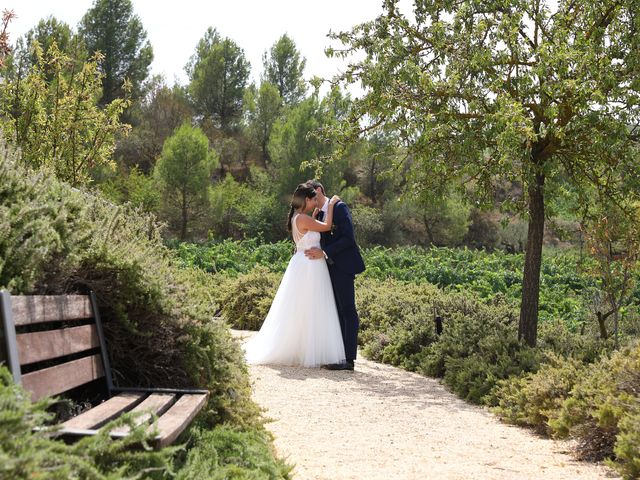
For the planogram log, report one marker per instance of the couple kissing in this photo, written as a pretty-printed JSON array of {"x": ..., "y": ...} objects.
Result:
[{"x": 313, "y": 320}]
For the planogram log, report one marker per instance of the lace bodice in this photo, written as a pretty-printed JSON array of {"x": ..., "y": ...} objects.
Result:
[{"x": 306, "y": 240}]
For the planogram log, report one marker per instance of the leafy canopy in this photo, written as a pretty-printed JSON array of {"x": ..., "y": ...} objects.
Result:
[
  {"x": 110, "y": 27},
  {"x": 52, "y": 114},
  {"x": 284, "y": 67},
  {"x": 527, "y": 91},
  {"x": 184, "y": 171},
  {"x": 218, "y": 72}
]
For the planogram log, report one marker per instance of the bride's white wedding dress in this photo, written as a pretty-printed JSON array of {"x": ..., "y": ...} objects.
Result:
[{"x": 302, "y": 326}]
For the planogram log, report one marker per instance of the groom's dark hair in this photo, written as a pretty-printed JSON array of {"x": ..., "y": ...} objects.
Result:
[{"x": 316, "y": 184}]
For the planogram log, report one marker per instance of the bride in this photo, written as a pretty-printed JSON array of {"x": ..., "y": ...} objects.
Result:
[{"x": 302, "y": 326}]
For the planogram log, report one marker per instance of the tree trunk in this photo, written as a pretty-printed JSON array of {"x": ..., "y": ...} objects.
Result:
[
  {"x": 528, "y": 327},
  {"x": 615, "y": 327},
  {"x": 372, "y": 181},
  {"x": 183, "y": 227},
  {"x": 602, "y": 325},
  {"x": 427, "y": 228}
]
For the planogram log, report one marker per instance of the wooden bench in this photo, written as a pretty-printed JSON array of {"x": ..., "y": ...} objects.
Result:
[{"x": 55, "y": 343}]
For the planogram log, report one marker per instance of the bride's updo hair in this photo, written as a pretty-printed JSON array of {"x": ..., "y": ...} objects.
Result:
[{"x": 299, "y": 199}]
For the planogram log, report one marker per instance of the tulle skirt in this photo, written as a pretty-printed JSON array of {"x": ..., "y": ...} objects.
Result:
[{"x": 302, "y": 326}]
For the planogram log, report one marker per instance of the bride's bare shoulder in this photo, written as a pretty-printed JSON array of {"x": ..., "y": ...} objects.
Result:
[{"x": 303, "y": 220}]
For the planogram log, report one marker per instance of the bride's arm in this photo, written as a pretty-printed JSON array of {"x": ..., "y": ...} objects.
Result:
[{"x": 310, "y": 223}]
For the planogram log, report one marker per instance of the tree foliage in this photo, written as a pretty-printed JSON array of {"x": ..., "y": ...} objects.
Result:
[
  {"x": 52, "y": 114},
  {"x": 46, "y": 33},
  {"x": 5, "y": 49},
  {"x": 284, "y": 67},
  {"x": 519, "y": 90},
  {"x": 184, "y": 171},
  {"x": 262, "y": 108},
  {"x": 293, "y": 146},
  {"x": 613, "y": 240},
  {"x": 110, "y": 27},
  {"x": 155, "y": 117},
  {"x": 218, "y": 73}
]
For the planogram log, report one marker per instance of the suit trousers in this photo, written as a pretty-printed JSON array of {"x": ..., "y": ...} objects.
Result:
[{"x": 344, "y": 292}]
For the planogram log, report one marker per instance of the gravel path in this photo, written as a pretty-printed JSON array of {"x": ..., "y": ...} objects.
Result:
[{"x": 381, "y": 422}]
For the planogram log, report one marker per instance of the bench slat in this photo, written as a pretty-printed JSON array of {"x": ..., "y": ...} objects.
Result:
[
  {"x": 178, "y": 417},
  {"x": 103, "y": 413},
  {"x": 156, "y": 403},
  {"x": 38, "y": 346},
  {"x": 63, "y": 377},
  {"x": 30, "y": 309}
]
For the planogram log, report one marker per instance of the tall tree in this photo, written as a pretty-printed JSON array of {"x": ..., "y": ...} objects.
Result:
[
  {"x": 218, "y": 72},
  {"x": 262, "y": 107},
  {"x": 111, "y": 28},
  {"x": 184, "y": 171},
  {"x": 292, "y": 144},
  {"x": 284, "y": 67},
  {"x": 519, "y": 89}
]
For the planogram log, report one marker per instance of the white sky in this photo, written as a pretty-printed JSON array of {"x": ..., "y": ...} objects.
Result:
[{"x": 174, "y": 28}]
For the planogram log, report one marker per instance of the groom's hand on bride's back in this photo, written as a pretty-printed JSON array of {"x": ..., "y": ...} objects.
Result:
[{"x": 314, "y": 253}]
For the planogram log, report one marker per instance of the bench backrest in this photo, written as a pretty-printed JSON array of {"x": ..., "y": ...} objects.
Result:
[{"x": 64, "y": 350}]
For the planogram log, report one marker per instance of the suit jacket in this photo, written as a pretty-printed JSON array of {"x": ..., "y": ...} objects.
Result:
[{"x": 340, "y": 243}]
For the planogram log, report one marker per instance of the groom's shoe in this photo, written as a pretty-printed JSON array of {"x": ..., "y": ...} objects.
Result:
[{"x": 347, "y": 365}]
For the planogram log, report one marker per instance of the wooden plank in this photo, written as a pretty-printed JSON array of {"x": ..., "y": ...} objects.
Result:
[
  {"x": 63, "y": 377},
  {"x": 38, "y": 346},
  {"x": 30, "y": 309},
  {"x": 156, "y": 403},
  {"x": 103, "y": 413},
  {"x": 178, "y": 417},
  {"x": 81, "y": 432}
]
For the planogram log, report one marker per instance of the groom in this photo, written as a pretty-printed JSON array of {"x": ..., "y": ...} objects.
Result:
[{"x": 344, "y": 260}]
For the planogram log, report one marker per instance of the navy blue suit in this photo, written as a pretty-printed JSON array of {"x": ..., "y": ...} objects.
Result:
[{"x": 344, "y": 261}]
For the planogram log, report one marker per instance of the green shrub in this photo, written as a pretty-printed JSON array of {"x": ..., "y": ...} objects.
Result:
[
  {"x": 533, "y": 399},
  {"x": 477, "y": 348},
  {"x": 499, "y": 357},
  {"x": 396, "y": 320},
  {"x": 467, "y": 322},
  {"x": 42, "y": 225},
  {"x": 246, "y": 300},
  {"x": 627, "y": 449},
  {"x": 603, "y": 406},
  {"x": 225, "y": 453},
  {"x": 556, "y": 336},
  {"x": 28, "y": 453}
]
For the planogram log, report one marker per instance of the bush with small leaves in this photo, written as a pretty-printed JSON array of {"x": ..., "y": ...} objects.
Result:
[
  {"x": 245, "y": 300},
  {"x": 227, "y": 453},
  {"x": 27, "y": 449},
  {"x": 533, "y": 399},
  {"x": 43, "y": 226},
  {"x": 603, "y": 405}
]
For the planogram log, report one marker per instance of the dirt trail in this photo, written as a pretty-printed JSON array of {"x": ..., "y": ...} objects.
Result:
[{"x": 381, "y": 422}]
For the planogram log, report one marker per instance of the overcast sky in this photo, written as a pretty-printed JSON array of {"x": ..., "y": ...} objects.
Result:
[{"x": 174, "y": 28}]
